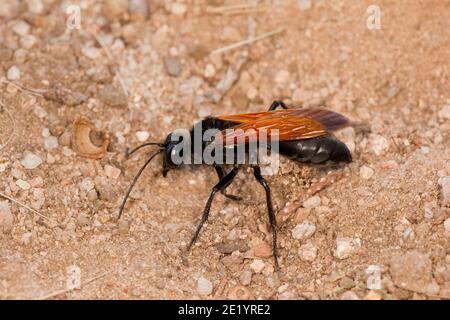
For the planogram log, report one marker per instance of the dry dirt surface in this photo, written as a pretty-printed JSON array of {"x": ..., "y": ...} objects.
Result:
[{"x": 135, "y": 70}]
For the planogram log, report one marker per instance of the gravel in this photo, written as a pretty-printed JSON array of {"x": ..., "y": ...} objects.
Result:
[
  {"x": 378, "y": 144},
  {"x": 308, "y": 252},
  {"x": 13, "y": 73},
  {"x": 303, "y": 230},
  {"x": 6, "y": 217},
  {"x": 262, "y": 250},
  {"x": 30, "y": 160},
  {"x": 51, "y": 143},
  {"x": 173, "y": 66},
  {"x": 413, "y": 271},
  {"x": 112, "y": 172},
  {"x": 445, "y": 190},
  {"x": 22, "y": 184},
  {"x": 204, "y": 286},
  {"x": 312, "y": 202},
  {"x": 366, "y": 172},
  {"x": 345, "y": 247},
  {"x": 257, "y": 266},
  {"x": 113, "y": 96}
]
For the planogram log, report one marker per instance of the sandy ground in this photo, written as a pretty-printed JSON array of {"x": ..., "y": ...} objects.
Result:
[{"x": 376, "y": 229}]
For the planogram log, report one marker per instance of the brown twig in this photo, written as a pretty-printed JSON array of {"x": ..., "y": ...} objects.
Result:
[
  {"x": 62, "y": 291},
  {"x": 25, "y": 206}
]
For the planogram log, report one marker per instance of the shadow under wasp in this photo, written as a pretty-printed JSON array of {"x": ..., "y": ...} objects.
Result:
[{"x": 304, "y": 135}]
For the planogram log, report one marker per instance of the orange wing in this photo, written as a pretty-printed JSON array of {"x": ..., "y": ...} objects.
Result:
[{"x": 292, "y": 124}]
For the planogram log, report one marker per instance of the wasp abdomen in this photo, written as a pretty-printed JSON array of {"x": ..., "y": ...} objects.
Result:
[{"x": 316, "y": 150}]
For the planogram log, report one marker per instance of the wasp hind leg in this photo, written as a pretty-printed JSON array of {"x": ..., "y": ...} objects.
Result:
[
  {"x": 277, "y": 103},
  {"x": 221, "y": 185},
  {"x": 272, "y": 218},
  {"x": 221, "y": 173}
]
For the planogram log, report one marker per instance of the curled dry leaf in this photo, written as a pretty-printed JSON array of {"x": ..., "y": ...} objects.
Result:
[{"x": 87, "y": 141}]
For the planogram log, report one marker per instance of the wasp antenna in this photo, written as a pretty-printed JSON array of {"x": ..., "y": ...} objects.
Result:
[
  {"x": 129, "y": 153},
  {"x": 135, "y": 179}
]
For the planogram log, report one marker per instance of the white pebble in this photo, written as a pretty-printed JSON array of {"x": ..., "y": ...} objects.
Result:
[
  {"x": 424, "y": 150},
  {"x": 21, "y": 28},
  {"x": 178, "y": 9},
  {"x": 378, "y": 144},
  {"x": 345, "y": 247},
  {"x": 28, "y": 41},
  {"x": 51, "y": 143},
  {"x": 6, "y": 217},
  {"x": 22, "y": 184},
  {"x": 204, "y": 286},
  {"x": 13, "y": 73},
  {"x": 257, "y": 266},
  {"x": 91, "y": 52},
  {"x": 112, "y": 172},
  {"x": 282, "y": 77},
  {"x": 307, "y": 252},
  {"x": 142, "y": 135},
  {"x": 444, "y": 113},
  {"x": 366, "y": 172},
  {"x": 304, "y": 4},
  {"x": 210, "y": 71},
  {"x": 87, "y": 184},
  {"x": 30, "y": 160},
  {"x": 445, "y": 190},
  {"x": 447, "y": 225},
  {"x": 312, "y": 202},
  {"x": 303, "y": 230}
]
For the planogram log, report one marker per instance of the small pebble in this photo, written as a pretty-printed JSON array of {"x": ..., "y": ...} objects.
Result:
[
  {"x": 303, "y": 230},
  {"x": 21, "y": 28},
  {"x": 51, "y": 143},
  {"x": 138, "y": 9},
  {"x": 345, "y": 247},
  {"x": 378, "y": 144},
  {"x": 282, "y": 77},
  {"x": 113, "y": 96},
  {"x": 142, "y": 136},
  {"x": 210, "y": 71},
  {"x": 445, "y": 190},
  {"x": 349, "y": 295},
  {"x": 204, "y": 286},
  {"x": 444, "y": 113},
  {"x": 6, "y": 217},
  {"x": 366, "y": 172},
  {"x": 447, "y": 225},
  {"x": 373, "y": 295},
  {"x": 13, "y": 73},
  {"x": 257, "y": 266},
  {"x": 262, "y": 250},
  {"x": 304, "y": 4},
  {"x": 30, "y": 160},
  {"x": 91, "y": 52},
  {"x": 22, "y": 184},
  {"x": 308, "y": 252},
  {"x": 86, "y": 184},
  {"x": 245, "y": 278},
  {"x": 178, "y": 9},
  {"x": 115, "y": 9},
  {"x": 112, "y": 172},
  {"x": 28, "y": 41},
  {"x": 173, "y": 66},
  {"x": 312, "y": 202}
]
